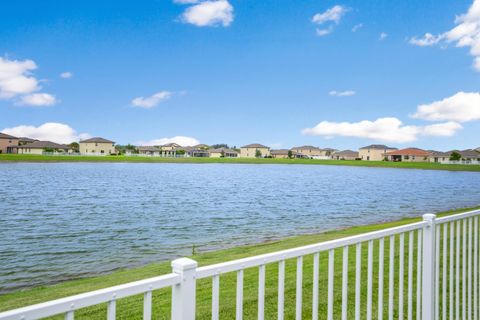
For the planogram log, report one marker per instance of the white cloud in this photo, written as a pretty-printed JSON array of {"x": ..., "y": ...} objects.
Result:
[
  {"x": 324, "y": 32},
  {"x": 152, "y": 101},
  {"x": 66, "y": 75},
  {"x": 465, "y": 34},
  {"x": 383, "y": 36},
  {"x": 461, "y": 107},
  {"x": 382, "y": 129},
  {"x": 209, "y": 13},
  {"x": 357, "y": 26},
  {"x": 50, "y": 131},
  {"x": 347, "y": 93},
  {"x": 38, "y": 100},
  {"x": 334, "y": 14},
  {"x": 181, "y": 140},
  {"x": 16, "y": 78}
]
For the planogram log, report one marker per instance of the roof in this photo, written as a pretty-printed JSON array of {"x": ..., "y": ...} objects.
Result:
[
  {"x": 201, "y": 145},
  {"x": 346, "y": 153},
  {"x": 43, "y": 145},
  {"x": 26, "y": 139},
  {"x": 279, "y": 151},
  {"x": 409, "y": 152},
  {"x": 255, "y": 145},
  {"x": 220, "y": 150},
  {"x": 6, "y": 136},
  {"x": 329, "y": 149},
  {"x": 378, "y": 147},
  {"x": 307, "y": 147},
  {"x": 96, "y": 140},
  {"x": 172, "y": 144}
]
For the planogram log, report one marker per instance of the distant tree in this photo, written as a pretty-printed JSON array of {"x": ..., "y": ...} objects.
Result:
[
  {"x": 49, "y": 150},
  {"x": 455, "y": 156},
  {"x": 290, "y": 154},
  {"x": 180, "y": 152},
  {"x": 258, "y": 154},
  {"x": 122, "y": 149},
  {"x": 219, "y": 145},
  {"x": 222, "y": 155},
  {"x": 74, "y": 146}
]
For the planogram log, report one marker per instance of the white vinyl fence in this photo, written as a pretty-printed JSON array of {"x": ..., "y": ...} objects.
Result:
[{"x": 425, "y": 270}]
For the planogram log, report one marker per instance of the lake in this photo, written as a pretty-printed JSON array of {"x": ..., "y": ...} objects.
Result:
[{"x": 63, "y": 221}]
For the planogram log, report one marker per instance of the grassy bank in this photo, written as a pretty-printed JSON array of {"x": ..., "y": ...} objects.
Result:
[
  {"x": 126, "y": 159},
  {"x": 131, "y": 308}
]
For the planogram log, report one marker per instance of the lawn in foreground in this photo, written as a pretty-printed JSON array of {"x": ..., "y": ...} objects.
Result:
[
  {"x": 131, "y": 308},
  {"x": 131, "y": 159}
]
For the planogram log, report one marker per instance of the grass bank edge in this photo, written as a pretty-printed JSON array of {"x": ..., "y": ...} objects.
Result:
[
  {"x": 45, "y": 293},
  {"x": 127, "y": 159}
]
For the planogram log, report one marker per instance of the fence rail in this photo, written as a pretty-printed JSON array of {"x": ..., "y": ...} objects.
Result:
[{"x": 424, "y": 270}]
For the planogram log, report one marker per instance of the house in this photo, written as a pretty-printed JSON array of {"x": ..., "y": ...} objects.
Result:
[
  {"x": 280, "y": 153},
  {"x": 7, "y": 142},
  {"x": 223, "y": 153},
  {"x": 374, "y": 152},
  {"x": 467, "y": 157},
  {"x": 41, "y": 147},
  {"x": 326, "y": 153},
  {"x": 196, "y": 153},
  {"x": 97, "y": 146},
  {"x": 254, "y": 150},
  {"x": 345, "y": 155},
  {"x": 307, "y": 152},
  {"x": 24, "y": 140},
  {"x": 149, "y": 151},
  {"x": 170, "y": 146},
  {"x": 408, "y": 155}
]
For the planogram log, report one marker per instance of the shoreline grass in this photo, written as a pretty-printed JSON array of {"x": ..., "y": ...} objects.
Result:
[
  {"x": 131, "y": 307},
  {"x": 128, "y": 159}
]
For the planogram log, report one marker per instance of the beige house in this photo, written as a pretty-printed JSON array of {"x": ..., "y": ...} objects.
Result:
[
  {"x": 223, "y": 153},
  {"x": 40, "y": 147},
  {"x": 7, "y": 142},
  {"x": 467, "y": 157},
  {"x": 254, "y": 150},
  {"x": 408, "y": 155},
  {"x": 345, "y": 155},
  {"x": 307, "y": 151},
  {"x": 97, "y": 146},
  {"x": 374, "y": 152},
  {"x": 281, "y": 153}
]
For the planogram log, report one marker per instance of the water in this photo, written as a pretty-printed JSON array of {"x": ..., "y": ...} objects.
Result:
[{"x": 69, "y": 220}]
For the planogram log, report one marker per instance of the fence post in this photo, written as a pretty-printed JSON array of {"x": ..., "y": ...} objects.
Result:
[
  {"x": 183, "y": 294},
  {"x": 428, "y": 274}
]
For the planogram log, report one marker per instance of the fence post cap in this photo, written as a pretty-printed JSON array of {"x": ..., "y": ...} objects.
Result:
[
  {"x": 429, "y": 217},
  {"x": 184, "y": 264}
]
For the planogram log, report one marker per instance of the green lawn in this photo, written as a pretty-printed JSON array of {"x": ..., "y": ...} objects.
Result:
[
  {"x": 131, "y": 308},
  {"x": 384, "y": 164}
]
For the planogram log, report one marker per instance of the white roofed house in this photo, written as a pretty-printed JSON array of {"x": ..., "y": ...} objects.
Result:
[{"x": 97, "y": 146}]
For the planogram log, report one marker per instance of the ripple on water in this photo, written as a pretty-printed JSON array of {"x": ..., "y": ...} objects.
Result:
[{"x": 69, "y": 220}]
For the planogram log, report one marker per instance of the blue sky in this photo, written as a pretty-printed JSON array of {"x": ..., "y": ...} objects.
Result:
[{"x": 248, "y": 71}]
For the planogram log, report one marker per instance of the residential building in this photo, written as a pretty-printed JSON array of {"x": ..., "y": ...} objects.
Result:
[
  {"x": 307, "y": 152},
  {"x": 97, "y": 146},
  {"x": 201, "y": 146},
  {"x": 170, "y": 146},
  {"x": 254, "y": 150},
  {"x": 149, "y": 151},
  {"x": 196, "y": 153},
  {"x": 281, "y": 153},
  {"x": 223, "y": 153},
  {"x": 408, "y": 155},
  {"x": 24, "y": 140},
  {"x": 327, "y": 152},
  {"x": 345, "y": 155},
  {"x": 467, "y": 157},
  {"x": 40, "y": 147},
  {"x": 374, "y": 152},
  {"x": 7, "y": 142}
]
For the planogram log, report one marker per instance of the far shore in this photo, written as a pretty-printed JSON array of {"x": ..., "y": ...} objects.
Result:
[{"x": 130, "y": 159}]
